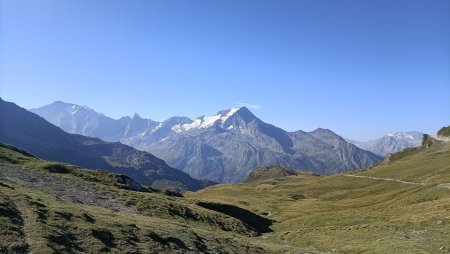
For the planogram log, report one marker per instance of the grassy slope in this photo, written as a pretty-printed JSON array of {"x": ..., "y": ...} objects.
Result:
[
  {"x": 70, "y": 210},
  {"x": 356, "y": 215},
  {"x": 268, "y": 173},
  {"x": 444, "y": 132}
]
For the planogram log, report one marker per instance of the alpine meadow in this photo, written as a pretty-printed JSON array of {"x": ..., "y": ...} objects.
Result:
[{"x": 235, "y": 127}]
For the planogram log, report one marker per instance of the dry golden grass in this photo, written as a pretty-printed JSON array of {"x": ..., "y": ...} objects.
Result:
[{"x": 347, "y": 214}]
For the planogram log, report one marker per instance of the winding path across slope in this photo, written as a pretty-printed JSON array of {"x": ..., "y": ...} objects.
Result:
[
  {"x": 385, "y": 179},
  {"x": 445, "y": 185}
]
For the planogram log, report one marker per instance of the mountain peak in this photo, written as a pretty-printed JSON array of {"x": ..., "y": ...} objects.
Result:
[
  {"x": 323, "y": 131},
  {"x": 242, "y": 111},
  {"x": 327, "y": 136},
  {"x": 245, "y": 114},
  {"x": 62, "y": 103},
  {"x": 61, "y": 106},
  {"x": 59, "y": 102}
]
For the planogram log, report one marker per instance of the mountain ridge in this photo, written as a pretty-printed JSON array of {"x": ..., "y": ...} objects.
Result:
[{"x": 227, "y": 146}]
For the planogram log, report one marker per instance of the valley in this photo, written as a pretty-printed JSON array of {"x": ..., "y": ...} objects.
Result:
[
  {"x": 400, "y": 205},
  {"x": 142, "y": 205}
]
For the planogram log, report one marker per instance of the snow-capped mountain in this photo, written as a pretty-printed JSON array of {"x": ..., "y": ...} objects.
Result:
[
  {"x": 392, "y": 142},
  {"x": 205, "y": 121},
  {"x": 85, "y": 121},
  {"x": 224, "y": 147}
]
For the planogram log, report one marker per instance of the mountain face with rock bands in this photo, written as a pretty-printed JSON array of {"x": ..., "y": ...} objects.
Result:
[
  {"x": 224, "y": 147},
  {"x": 28, "y": 131},
  {"x": 391, "y": 143}
]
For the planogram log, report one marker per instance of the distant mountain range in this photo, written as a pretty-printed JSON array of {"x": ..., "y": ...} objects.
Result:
[
  {"x": 28, "y": 131},
  {"x": 392, "y": 142},
  {"x": 224, "y": 147}
]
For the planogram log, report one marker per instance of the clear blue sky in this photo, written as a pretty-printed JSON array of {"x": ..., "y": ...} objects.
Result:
[{"x": 360, "y": 68}]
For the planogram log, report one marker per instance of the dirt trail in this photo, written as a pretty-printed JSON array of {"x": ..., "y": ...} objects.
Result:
[
  {"x": 385, "y": 179},
  {"x": 71, "y": 190},
  {"x": 29, "y": 224},
  {"x": 441, "y": 138},
  {"x": 445, "y": 185}
]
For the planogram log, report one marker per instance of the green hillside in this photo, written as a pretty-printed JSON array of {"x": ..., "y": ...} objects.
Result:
[
  {"x": 401, "y": 205},
  {"x": 48, "y": 207},
  {"x": 269, "y": 173}
]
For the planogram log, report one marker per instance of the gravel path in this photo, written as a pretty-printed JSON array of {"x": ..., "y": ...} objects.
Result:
[
  {"x": 445, "y": 185},
  {"x": 385, "y": 179}
]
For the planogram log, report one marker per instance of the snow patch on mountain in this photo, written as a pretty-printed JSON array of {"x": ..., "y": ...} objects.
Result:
[
  {"x": 402, "y": 135},
  {"x": 205, "y": 121},
  {"x": 157, "y": 127}
]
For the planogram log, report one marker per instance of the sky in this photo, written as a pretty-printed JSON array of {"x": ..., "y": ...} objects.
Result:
[{"x": 361, "y": 68}]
